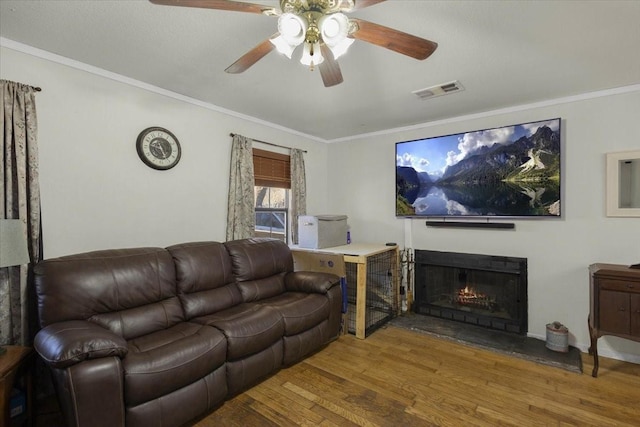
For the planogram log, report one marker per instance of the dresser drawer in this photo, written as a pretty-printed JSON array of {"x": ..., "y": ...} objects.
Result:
[{"x": 619, "y": 285}]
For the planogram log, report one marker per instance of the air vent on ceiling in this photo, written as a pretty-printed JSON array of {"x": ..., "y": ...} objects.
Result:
[{"x": 439, "y": 90}]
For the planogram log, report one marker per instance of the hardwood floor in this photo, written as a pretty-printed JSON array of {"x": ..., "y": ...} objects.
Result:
[{"x": 398, "y": 377}]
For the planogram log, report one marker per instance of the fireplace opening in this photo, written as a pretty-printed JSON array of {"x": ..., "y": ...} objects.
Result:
[{"x": 483, "y": 290}]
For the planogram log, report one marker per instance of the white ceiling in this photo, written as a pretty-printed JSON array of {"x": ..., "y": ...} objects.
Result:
[{"x": 504, "y": 53}]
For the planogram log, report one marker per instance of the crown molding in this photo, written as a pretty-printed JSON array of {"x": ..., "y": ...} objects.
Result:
[
  {"x": 30, "y": 50},
  {"x": 63, "y": 60},
  {"x": 491, "y": 113}
]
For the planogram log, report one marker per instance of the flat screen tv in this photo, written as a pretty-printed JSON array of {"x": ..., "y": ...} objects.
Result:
[{"x": 511, "y": 171}]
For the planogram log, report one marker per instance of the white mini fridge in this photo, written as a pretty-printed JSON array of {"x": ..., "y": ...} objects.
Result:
[{"x": 322, "y": 231}]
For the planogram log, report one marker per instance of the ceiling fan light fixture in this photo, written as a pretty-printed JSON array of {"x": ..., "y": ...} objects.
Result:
[
  {"x": 322, "y": 28},
  {"x": 311, "y": 55},
  {"x": 341, "y": 48},
  {"x": 334, "y": 28},
  {"x": 292, "y": 28},
  {"x": 282, "y": 46}
]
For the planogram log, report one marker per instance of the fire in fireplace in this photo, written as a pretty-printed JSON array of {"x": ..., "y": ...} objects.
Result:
[
  {"x": 483, "y": 290},
  {"x": 468, "y": 297}
]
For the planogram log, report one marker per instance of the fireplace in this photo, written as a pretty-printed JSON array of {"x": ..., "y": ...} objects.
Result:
[{"x": 483, "y": 290}]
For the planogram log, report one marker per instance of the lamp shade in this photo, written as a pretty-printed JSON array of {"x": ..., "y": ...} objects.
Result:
[
  {"x": 311, "y": 55},
  {"x": 13, "y": 243},
  {"x": 292, "y": 28},
  {"x": 334, "y": 28},
  {"x": 341, "y": 48},
  {"x": 282, "y": 46}
]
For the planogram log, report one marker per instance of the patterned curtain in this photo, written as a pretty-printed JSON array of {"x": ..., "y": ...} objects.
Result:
[
  {"x": 19, "y": 199},
  {"x": 241, "y": 212},
  {"x": 298, "y": 191}
]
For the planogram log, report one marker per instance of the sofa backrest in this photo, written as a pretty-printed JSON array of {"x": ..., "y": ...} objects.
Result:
[
  {"x": 131, "y": 292},
  {"x": 259, "y": 266},
  {"x": 204, "y": 277}
]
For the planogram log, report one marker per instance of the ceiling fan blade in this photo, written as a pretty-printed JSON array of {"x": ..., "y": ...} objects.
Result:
[
  {"x": 234, "y": 6},
  {"x": 329, "y": 68},
  {"x": 360, "y": 4},
  {"x": 395, "y": 40},
  {"x": 251, "y": 57}
]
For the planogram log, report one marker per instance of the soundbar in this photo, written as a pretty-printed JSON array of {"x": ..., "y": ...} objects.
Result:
[{"x": 470, "y": 224}]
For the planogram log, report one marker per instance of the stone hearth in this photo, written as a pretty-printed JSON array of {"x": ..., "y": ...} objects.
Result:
[{"x": 502, "y": 342}]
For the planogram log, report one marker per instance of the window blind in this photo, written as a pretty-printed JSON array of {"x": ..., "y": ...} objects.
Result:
[{"x": 271, "y": 169}]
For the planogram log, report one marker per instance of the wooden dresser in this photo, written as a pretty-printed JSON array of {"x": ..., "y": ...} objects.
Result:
[{"x": 615, "y": 305}]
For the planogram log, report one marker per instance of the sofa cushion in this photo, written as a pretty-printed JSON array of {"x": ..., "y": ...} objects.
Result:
[
  {"x": 249, "y": 328},
  {"x": 167, "y": 360},
  {"x": 204, "y": 277},
  {"x": 138, "y": 321},
  {"x": 256, "y": 290},
  {"x": 107, "y": 287},
  {"x": 260, "y": 266},
  {"x": 299, "y": 311},
  {"x": 255, "y": 259}
]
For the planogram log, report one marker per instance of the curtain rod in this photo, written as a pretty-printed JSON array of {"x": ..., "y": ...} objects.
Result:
[
  {"x": 268, "y": 143},
  {"x": 35, "y": 88}
]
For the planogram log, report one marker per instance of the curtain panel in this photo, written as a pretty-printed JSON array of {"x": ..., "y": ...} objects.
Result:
[
  {"x": 298, "y": 191},
  {"x": 19, "y": 199},
  {"x": 241, "y": 214}
]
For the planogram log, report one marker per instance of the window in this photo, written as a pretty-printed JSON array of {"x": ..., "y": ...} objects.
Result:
[
  {"x": 272, "y": 205},
  {"x": 272, "y": 183}
]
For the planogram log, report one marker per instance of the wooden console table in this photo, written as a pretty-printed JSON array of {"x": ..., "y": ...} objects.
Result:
[
  {"x": 614, "y": 305},
  {"x": 358, "y": 253}
]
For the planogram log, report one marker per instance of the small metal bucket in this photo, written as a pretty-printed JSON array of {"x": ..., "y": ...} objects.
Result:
[{"x": 557, "y": 337}]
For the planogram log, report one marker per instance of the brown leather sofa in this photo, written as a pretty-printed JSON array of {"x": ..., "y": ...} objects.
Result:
[{"x": 160, "y": 337}]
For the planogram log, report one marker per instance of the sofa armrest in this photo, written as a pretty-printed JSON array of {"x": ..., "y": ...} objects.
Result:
[
  {"x": 66, "y": 343},
  {"x": 310, "y": 281}
]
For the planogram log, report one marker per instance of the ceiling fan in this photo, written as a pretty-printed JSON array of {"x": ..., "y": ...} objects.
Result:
[{"x": 323, "y": 29}]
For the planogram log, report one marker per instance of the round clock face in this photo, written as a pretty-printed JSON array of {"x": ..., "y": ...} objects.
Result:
[{"x": 158, "y": 148}]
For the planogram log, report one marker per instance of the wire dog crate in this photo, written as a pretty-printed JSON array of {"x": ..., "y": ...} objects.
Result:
[
  {"x": 381, "y": 296},
  {"x": 373, "y": 285}
]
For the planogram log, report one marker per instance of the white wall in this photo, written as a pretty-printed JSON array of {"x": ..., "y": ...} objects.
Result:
[
  {"x": 559, "y": 251},
  {"x": 95, "y": 191},
  {"x": 97, "y": 194}
]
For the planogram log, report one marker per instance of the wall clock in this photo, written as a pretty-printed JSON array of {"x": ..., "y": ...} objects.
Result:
[{"x": 158, "y": 148}]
